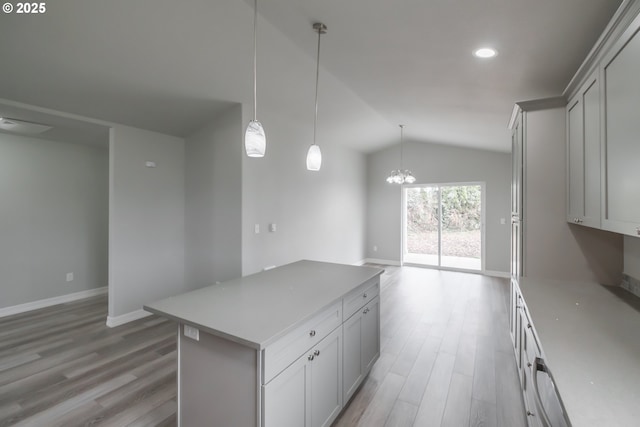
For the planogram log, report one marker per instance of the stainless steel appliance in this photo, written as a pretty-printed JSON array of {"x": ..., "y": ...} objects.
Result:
[{"x": 548, "y": 401}]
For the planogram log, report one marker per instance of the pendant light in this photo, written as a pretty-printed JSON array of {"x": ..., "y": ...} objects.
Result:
[
  {"x": 255, "y": 140},
  {"x": 401, "y": 176},
  {"x": 314, "y": 155}
]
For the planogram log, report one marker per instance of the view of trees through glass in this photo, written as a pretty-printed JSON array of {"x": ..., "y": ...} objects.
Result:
[{"x": 461, "y": 218}]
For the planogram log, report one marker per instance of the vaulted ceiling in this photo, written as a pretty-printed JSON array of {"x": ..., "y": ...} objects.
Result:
[{"x": 171, "y": 65}]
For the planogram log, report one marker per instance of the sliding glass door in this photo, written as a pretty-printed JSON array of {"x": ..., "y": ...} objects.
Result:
[{"x": 443, "y": 225}]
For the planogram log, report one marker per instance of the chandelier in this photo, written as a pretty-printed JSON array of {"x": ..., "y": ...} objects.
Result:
[{"x": 401, "y": 176}]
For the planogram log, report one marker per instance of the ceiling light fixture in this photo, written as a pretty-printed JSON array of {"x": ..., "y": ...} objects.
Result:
[
  {"x": 401, "y": 176},
  {"x": 314, "y": 155},
  {"x": 485, "y": 52},
  {"x": 255, "y": 140}
]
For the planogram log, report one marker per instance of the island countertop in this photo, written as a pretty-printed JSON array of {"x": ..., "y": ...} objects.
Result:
[
  {"x": 590, "y": 339},
  {"x": 258, "y": 309}
]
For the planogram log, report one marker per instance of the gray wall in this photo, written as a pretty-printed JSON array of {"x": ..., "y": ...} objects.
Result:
[
  {"x": 318, "y": 215},
  {"x": 146, "y": 218},
  {"x": 552, "y": 247},
  {"x": 214, "y": 201},
  {"x": 632, "y": 256},
  {"x": 53, "y": 218},
  {"x": 432, "y": 164}
]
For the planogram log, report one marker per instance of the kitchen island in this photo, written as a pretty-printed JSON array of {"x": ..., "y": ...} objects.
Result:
[{"x": 284, "y": 347}]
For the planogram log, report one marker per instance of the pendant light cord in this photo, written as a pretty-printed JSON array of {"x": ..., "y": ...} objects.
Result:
[
  {"x": 315, "y": 120},
  {"x": 255, "y": 61},
  {"x": 401, "y": 147}
]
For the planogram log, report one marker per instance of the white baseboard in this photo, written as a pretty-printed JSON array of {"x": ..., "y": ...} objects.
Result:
[
  {"x": 382, "y": 261},
  {"x": 113, "y": 321},
  {"x": 491, "y": 273},
  {"x": 48, "y": 302},
  {"x": 361, "y": 262}
]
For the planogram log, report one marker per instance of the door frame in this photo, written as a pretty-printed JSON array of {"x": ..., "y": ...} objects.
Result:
[{"x": 403, "y": 225}]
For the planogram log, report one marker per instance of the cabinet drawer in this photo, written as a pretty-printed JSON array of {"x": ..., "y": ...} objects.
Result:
[
  {"x": 360, "y": 296},
  {"x": 287, "y": 349}
]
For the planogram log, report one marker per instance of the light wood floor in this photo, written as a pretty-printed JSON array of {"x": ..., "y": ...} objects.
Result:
[
  {"x": 446, "y": 361},
  {"x": 446, "y": 356}
]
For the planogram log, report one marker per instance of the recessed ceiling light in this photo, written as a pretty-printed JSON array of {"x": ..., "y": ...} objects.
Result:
[{"x": 485, "y": 52}]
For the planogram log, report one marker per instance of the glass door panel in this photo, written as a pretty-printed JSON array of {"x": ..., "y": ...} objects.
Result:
[
  {"x": 422, "y": 225},
  {"x": 443, "y": 226},
  {"x": 461, "y": 238}
]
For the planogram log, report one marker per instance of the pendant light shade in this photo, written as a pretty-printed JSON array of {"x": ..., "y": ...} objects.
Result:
[
  {"x": 255, "y": 140},
  {"x": 314, "y": 158},
  {"x": 314, "y": 155},
  {"x": 401, "y": 176}
]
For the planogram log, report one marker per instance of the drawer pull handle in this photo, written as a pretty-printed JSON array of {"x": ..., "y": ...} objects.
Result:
[
  {"x": 365, "y": 294},
  {"x": 316, "y": 353},
  {"x": 531, "y": 414},
  {"x": 529, "y": 325},
  {"x": 311, "y": 357},
  {"x": 312, "y": 333},
  {"x": 366, "y": 310},
  {"x": 529, "y": 364}
]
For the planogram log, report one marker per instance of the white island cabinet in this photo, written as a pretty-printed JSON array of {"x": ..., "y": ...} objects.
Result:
[{"x": 275, "y": 348}]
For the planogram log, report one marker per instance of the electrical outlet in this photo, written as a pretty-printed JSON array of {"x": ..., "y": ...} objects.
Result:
[
  {"x": 375, "y": 249},
  {"x": 191, "y": 332},
  {"x": 69, "y": 277}
]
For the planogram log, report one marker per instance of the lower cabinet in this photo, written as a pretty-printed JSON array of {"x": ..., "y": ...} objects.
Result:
[
  {"x": 309, "y": 392},
  {"x": 361, "y": 337},
  {"x": 527, "y": 349}
]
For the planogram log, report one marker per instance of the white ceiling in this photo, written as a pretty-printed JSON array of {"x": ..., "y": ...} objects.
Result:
[{"x": 170, "y": 66}]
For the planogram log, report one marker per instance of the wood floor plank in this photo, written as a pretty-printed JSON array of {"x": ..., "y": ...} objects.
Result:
[
  {"x": 382, "y": 403},
  {"x": 458, "y": 408},
  {"x": 156, "y": 416},
  {"x": 407, "y": 357},
  {"x": 466, "y": 355},
  {"x": 434, "y": 399},
  {"x": 508, "y": 394},
  {"x": 418, "y": 377},
  {"x": 484, "y": 378},
  {"x": 402, "y": 415},
  {"x": 483, "y": 414},
  {"x": 61, "y": 410}
]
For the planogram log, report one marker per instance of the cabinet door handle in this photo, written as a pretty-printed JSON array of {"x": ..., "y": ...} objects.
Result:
[
  {"x": 530, "y": 414},
  {"x": 529, "y": 364},
  {"x": 528, "y": 325},
  {"x": 311, "y": 357},
  {"x": 364, "y": 295},
  {"x": 316, "y": 353},
  {"x": 366, "y": 310},
  {"x": 312, "y": 333}
]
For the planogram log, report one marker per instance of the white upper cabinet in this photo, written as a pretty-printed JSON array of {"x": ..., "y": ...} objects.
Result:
[
  {"x": 583, "y": 155},
  {"x": 620, "y": 72}
]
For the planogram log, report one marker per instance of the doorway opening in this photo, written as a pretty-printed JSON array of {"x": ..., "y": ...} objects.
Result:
[{"x": 443, "y": 226}]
